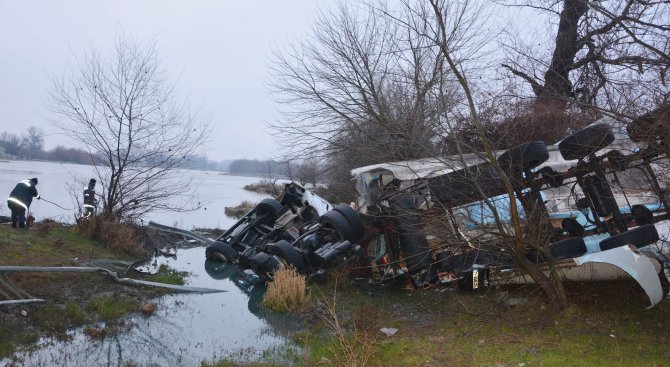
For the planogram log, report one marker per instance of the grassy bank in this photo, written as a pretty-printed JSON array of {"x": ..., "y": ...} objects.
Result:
[
  {"x": 607, "y": 324},
  {"x": 72, "y": 299}
]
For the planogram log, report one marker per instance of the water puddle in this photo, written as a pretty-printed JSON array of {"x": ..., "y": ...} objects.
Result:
[{"x": 186, "y": 328}]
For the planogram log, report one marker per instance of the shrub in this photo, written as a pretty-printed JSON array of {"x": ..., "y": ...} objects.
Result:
[
  {"x": 286, "y": 292},
  {"x": 239, "y": 211},
  {"x": 265, "y": 187},
  {"x": 118, "y": 236},
  {"x": 44, "y": 228}
]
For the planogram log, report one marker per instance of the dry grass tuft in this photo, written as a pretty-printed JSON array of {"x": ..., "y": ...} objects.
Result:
[
  {"x": 117, "y": 236},
  {"x": 265, "y": 187},
  {"x": 239, "y": 211},
  {"x": 286, "y": 292},
  {"x": 44, "y": 228},
  {"x": 355, "y": 346}
]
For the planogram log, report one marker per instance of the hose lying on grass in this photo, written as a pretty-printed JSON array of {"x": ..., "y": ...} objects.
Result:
[{"x": 90, "y": 269}]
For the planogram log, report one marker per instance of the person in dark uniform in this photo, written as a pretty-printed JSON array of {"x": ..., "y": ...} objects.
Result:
[
  {"x": 89, "y": 199},
  {"x": 19, "y": 200}
]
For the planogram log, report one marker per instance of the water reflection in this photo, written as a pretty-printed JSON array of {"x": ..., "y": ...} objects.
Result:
[{"x": 185, "y": 330}]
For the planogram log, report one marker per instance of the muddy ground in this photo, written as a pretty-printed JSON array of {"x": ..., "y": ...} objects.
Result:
[{"x": 71, "y": 299}]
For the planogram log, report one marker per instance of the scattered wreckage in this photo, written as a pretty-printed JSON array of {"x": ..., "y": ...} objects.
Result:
[{"x": 596, "y": 195}]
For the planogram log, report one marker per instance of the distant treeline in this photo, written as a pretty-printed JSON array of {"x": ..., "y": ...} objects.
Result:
[
  {"x": 30, "y": 145},
  {"x": 304, "y": 172},
  {"x": 254, "y": 167}
]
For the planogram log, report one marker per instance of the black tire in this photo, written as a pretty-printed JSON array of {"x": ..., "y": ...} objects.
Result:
[
  {"x": 336, "y": 221},
  {"x": 268, "y": 207},
  {"x": 264, "y": 266},
  {"x": 286, "y": 251},
  {"x": 413, "y": 244},
  {"x": 573, "y": 227},
  {"x": 221, "y": 252},
  {"x": 354, "y": 220},
  {"x": 642, "y": 214},
  {"x": 524, "y": 156},
  {"x": 567, "y": 249},
  {"x": 586, "y": 141},
  {"x": 640, "y": 237}
]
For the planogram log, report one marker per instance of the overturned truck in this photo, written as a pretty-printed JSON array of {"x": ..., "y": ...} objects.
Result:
[
  {"x": 595, "y": 191},
  {"x": 299, "y": 229}
]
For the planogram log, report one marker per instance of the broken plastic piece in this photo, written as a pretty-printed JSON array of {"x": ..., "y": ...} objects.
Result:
[
  {"x": 639, "y": 267},
  {"x": 389, "y": 331}
]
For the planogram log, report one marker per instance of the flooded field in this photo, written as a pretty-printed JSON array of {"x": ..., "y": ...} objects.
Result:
[
  {"x": 215, "y": 191},
  {"x": 186, "y": 328}
]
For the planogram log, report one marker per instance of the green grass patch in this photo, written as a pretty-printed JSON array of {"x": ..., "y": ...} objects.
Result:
[
  {"x": 49, "y": 244},
  {"x": 169, "y": 276},
  {"x": 113, "y": 306},
  {"x": 9, "y": 338},
  {"x": 75, "y": 313},
  {"x": 606, "y": 325}
]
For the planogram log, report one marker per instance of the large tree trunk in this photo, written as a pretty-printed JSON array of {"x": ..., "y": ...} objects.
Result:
[{"x": 557, "y": 86}]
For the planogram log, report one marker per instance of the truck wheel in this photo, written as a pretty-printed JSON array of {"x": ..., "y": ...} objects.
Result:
[
  {"x": 642, "y": 214},
  {"x": 586, "y": 141},
  {"x": 354, "y": 220},
  {"x": 263, "y": 265},
  {"x": 287, "y": 252},
  {"x": 524, "y": 156},
  {"x": 566, "y": 249},
  {"x": 640, "y": 237},
  {"x": 268, "y": 207},
  {"x": 336, "y": 221},
  {"x": 221, "y": 252},
  {"x": 573, "y": 227}
]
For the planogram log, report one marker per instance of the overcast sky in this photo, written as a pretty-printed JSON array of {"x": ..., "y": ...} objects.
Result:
[{"x": 217, "y": 49}]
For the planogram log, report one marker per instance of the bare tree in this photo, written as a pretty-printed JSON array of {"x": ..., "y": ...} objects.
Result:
[
  {"x": 11, "y": 143},
  {"x": 125, "y": 112},
  {"x": 33, "y": 142},
  {"x": 360, "y": 90},
  {"x": 444, "y": 18},
  {"x": 613, "y": 55}
]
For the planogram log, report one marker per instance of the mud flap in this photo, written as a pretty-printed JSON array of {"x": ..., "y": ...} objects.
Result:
[{"x": 639, "y": 267}]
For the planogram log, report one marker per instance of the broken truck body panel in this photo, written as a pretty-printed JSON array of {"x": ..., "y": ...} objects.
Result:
[
  {"x": 617, "y": 263},
  {"x": 595, "y": 197}
]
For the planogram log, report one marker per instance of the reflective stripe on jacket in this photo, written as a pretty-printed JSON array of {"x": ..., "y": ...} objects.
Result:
[{"x": 23, "y": 193}]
